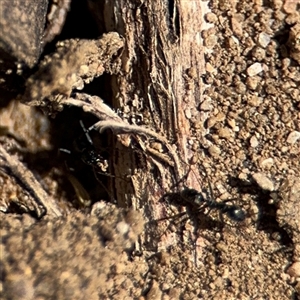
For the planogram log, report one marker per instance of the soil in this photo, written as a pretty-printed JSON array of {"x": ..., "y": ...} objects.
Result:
[{"x": 65, "y": 234}]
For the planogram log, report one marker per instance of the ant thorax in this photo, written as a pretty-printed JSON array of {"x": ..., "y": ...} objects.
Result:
[{"x": 193, "y": 197}]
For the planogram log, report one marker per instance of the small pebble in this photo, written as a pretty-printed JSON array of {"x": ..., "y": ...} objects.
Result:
[
  {"x": 264, "y": 39},
  {"x": 209, "y": 68},
  {"x": 294, "y": 269},
  {"x": 254, "y": 69},
  {"x": 254, "y": 141},
  {"x": 224, "y": 132},
  {"x": 123, "y": 228},
  {"x": 206, "y": 105},
  {"x": 267, "y": 163},
  {"x": 214, "y": 151},
  {"x": 210, "y": 41},
  {"x": 211, "y": 18},
  {"x": 263, "y": 181},
  {"x": 293, "y": 137}
]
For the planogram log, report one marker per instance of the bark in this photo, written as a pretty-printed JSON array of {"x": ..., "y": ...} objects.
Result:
[{"x": 160, "y": 83}]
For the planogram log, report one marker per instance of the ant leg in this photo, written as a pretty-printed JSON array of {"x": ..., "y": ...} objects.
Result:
[
  {"x": 170, "y": 224},
  {"x": 171, "y": 217},
  {"x": 86, "y": 132},
  {"x": 184, "y": 177},
  {"x": 104, "y": 187},
  {"x": 64, "y": 150}
]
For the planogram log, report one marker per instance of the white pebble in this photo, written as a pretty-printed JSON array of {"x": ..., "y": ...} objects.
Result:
[
  {"x": 122, "y": 228},
  {"x": 264, "y": 39},
  {"x": 293, "y": 137},
  {"x": 263, "y": 181},
  {"x": 254, "y": 141},
  {"x": 254, "y": 69}
]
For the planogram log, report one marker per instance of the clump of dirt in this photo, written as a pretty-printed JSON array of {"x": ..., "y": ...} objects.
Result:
[{"x": 77, "y": 257}]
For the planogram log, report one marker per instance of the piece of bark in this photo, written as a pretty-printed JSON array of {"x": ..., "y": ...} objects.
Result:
[{"x": 161, "y": 81}]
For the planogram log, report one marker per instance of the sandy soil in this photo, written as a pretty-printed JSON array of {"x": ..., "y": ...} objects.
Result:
[{"x": 250, "y": 149}]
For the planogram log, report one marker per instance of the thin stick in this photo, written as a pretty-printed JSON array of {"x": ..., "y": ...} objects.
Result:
[{"x": 30, "y": 182}]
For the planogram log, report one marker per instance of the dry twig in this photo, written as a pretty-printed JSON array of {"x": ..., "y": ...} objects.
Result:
[{"x": 31, "y": 184}]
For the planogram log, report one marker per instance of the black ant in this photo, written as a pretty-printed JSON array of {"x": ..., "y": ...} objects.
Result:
[
  {"x": 85, "y": 149},
  {"x": 195, "y": 201}
]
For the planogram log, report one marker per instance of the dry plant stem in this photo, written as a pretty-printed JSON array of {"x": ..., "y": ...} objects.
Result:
[
  {"x": 96, "y": 106},
  {"x": 28, "y": 179},
  {"x": 122, "y": 127},
  {"x": 93, "y": 105}
]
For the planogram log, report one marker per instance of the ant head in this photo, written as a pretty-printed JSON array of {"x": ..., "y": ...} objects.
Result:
[{"x": 235, "y": 213}]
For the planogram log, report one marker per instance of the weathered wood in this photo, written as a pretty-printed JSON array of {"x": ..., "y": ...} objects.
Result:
[{"x": 160, "y": 81}]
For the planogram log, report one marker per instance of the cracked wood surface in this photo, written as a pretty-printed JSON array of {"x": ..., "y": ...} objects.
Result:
[{"x": 160, "y": 80}]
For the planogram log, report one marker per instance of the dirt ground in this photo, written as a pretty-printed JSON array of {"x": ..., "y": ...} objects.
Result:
[{"x": 63, "y": 237}]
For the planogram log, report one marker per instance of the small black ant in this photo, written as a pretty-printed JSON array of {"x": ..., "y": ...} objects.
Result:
[
  {"x": 85, "y": 149},
  {"x": 196, "y": 202}
]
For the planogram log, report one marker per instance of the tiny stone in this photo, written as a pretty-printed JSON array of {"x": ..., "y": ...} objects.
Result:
[
  {"x": 123, "y": 228},
  {"x": 297, "y": 287},
  {"x": 252, "y": 82},
  {"x": 236, "y": 26},
  {"x": 284, "y": 149},
  {"x": 209, "y": 68},
  {"x": 253, "y": 100},
  {"x": 290, "y": 6},
  {"x": 263, "y": 181},
  {"x": 206, "y": 105},
  {"x": 232, "y": 123},
  {"x": 264, "y": 39},
  {"x": 293, "y": 137},
  {"x": 84, "y": 69},
  {"x": 214, "y": 151},
  {"x": 224, "y": 132},
  {"x": 294, "y": 269},
  {"x": 211, "y": 18},
  {"x": 188, "y": 113},
  {"x": 254, "y": 69},
  {"x": 292, "y": 18},
  {"x": 215, "y": 119},
  {"x": 267, "y": 163},
  {"x": 211, "y": 41},
  {"x": 253, "y": 141},
  {"x": 258, "y": 53}
]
